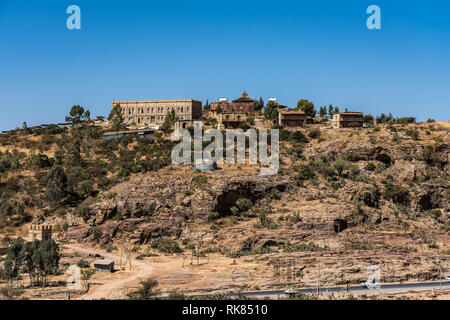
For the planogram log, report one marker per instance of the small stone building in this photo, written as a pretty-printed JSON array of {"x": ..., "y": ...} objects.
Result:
[
  {"x": 104, "y": 266},
  {"x": 348, "y": 120},
  {"x": 39, "y": 233},
  {"x": 292, "y": 119}
]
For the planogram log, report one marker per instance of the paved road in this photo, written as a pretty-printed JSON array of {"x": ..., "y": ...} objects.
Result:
[{"x": 394, "y": 288}]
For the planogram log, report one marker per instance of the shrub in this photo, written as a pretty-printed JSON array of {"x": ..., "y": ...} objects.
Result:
[
  {"x": 284, "y": 134},
  {"x": 396, "y": 193},
  {"x": 234, "y": 210},
  {"x": 406, "y": 120},
  {"x": 371, "y": 167},
  {"x": 96, "y": 233},
  {"x": 296, "y": 153},
  {"x": 85, "y": 212},
  {"x": 340, "y": 166},
  {"x": 244, "y": 204},
  {"x": 396, "y": 139},
  {"x": 165, "y": 244},
  {"x": 199, "y": 180},
  {"x": 83, "y": 264},
  {"x": 41, "y": 161},
  {"x": 314, "y": 133},
  {"x": 147, "y": 290},
  {"x": 413, "y": 133},
  {"x": 214, "y": 216},
  {"x": 299, "y": 247},
  {"x": 298, "y": 136},
  {"x": 305, "y": 173}
]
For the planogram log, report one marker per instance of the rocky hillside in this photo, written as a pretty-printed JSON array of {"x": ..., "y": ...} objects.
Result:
[{"x": 361, "y": 194}]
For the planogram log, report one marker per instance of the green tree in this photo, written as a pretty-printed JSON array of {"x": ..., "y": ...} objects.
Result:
[
  {"x": 340, "y": 166},
  {"x": 41, "y": 260},
  {"x": 259, "y": 105},
  {"x": 14, "y": 260},
  {"x": 73, "y": 155},
  {"x": 78, "y": 115},
  {"x": 368, "y": 119},
  {"x": 244, "y": 204},
  {"x": 336, "y": 110},
  {"x": 169, "y": 121},
  {"x": 271, "y": 112},
  {"x": 115, "y": 118},
  {"x": 307, "y": 107},
  {"x": 147, "y": 290},
  {"x": 323, "y": 112},
  {"x": 206, "y": 107},
  {"x": 10, "y": 292},
  {"x": 56, "y": 184},
  {"x": 330, "y": 111}
]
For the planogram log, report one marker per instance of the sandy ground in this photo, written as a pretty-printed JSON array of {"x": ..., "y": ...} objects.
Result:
[{"x": 107, "y": 286}]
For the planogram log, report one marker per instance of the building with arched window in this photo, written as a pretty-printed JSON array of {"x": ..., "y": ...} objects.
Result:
[{"x": 153, "y": 112}]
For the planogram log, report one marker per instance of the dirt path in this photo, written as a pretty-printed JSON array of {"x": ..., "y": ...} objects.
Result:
[{"x": 113, "y": 288}]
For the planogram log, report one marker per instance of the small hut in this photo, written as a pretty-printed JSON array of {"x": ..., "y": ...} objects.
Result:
[{"x": 104, "y": 266}]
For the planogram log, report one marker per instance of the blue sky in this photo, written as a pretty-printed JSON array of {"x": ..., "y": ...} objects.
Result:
[{"x": 319, "y": 50}]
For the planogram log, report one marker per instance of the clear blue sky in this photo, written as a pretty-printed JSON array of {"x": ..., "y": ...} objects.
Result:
[{"x": 319, "y": 50}]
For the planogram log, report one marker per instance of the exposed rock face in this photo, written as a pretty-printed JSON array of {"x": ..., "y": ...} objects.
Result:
[
  {"x": 431, "y": 197},
  {"x": 162, "y": 206},
  {"x": 78, "y": 232},
  {"x": 340, "y": 225}
]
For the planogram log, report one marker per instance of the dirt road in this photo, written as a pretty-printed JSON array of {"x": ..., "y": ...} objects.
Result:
[{"x": 113, "y": 288}]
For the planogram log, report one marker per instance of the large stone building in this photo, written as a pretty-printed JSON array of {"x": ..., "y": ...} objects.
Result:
[
  {"x": 153, "y": 112},
  {"x": 244, "y": 104},
  {"x": 292, "y": 119},
  {"x": 347, "y": 120}
]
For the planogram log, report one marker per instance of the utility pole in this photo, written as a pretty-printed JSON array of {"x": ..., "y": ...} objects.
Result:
[{"x": 318, "y": 281}]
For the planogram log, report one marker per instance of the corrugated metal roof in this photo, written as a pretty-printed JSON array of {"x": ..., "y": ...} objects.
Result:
[{"x": 104, "y": 262}]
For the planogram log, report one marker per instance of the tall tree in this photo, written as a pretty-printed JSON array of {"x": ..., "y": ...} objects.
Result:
[
  {"x": 73, "y": 154},
  {"x": 14, "y": 260},
  {"x": 307, "y": 107},
  {"x": 78, "y": 115},
  {"x": 323, "y": 112},
  {"x": 271, "y": 112},
  {"x": 115, "y": 118},
  {"x": 56, "y": 184},
  {"x": 259, "y": 104},
  {"x": 169, "y": 121},
  {"x": 330, "y": 110},
  {"x": 206, "y": 106}
]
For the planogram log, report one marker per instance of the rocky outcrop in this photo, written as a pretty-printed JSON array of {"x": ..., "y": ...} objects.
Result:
[{"x": 162, "y": 206}]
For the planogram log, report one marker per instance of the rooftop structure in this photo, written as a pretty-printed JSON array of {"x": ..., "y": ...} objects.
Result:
[{"x": 242, "y": 104}]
